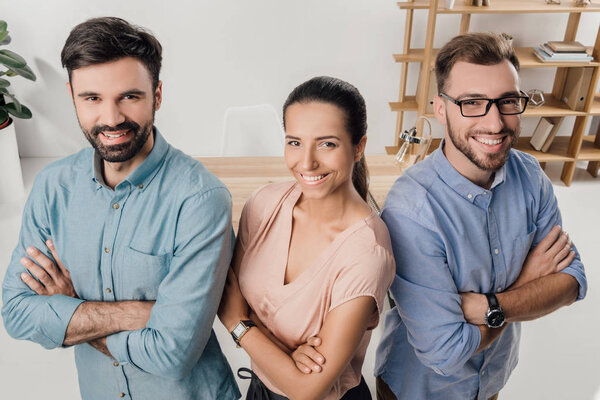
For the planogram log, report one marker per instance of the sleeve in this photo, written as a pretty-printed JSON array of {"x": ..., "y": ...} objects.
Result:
[
  {"x": 548, "y": 217},
  {"x": 27, "y": 315},
  {"x": 188, "y": 297},
  {"x": 427, "y": 298},
  {"x": 371, "y": 275}
]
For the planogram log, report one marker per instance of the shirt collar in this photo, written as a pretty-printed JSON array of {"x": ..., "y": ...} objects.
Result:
[
  {"x": 144, "y": 173},
  {"x": 456, "y": 181}
]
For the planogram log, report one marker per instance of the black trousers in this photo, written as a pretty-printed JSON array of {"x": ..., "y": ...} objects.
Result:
[{"x": 258, "y": 390}]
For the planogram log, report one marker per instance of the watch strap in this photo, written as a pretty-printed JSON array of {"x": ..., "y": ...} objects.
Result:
[{"x": 492, "y": 300}]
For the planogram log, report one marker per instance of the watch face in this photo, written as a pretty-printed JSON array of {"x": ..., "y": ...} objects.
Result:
[
  {"x": 495, "y": 318},
  {"x": 238, "y": 330}
]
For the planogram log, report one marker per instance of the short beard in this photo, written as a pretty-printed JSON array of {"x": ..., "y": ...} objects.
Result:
[
  {"x": 490, "y": 163},
  {"x": 124, "y": 151}
]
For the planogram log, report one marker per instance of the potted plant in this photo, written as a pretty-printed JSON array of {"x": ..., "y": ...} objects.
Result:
[{"x": 11, "y": 65}]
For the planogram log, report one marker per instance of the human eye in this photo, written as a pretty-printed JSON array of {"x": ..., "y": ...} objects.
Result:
[
  {"x": 473, "y": 102},
  {"x": 293, "y": 143},
  {"x": 130, "y": 97},
  {"x": 328, "y": 145},
  {"x": 91, "y": 99},
  {"x": 510, "y": 101}
]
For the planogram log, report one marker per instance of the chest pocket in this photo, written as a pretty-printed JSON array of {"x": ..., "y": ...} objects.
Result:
[
  {"x": 520, "y": 249},
  {"x": 140, "y": 274}
]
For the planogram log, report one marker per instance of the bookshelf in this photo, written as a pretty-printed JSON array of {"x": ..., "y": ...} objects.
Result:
[{"x": 566, "y": 149}]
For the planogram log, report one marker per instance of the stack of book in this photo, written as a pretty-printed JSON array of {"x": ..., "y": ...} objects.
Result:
[
  {"x": 544, "y": 134},
  {"x": 562, "y": 52}
]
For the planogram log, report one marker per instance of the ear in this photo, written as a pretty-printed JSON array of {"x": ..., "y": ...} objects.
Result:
[
  {"x": 158, "y": 96},
  {"x": 439, "y": 109},
  {"x": 360, "y": 149}
]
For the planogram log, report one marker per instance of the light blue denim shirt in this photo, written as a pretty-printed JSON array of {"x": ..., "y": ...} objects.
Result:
[
  {"x": 451, "y": 236},
  {"x": 164, "y": 234}
]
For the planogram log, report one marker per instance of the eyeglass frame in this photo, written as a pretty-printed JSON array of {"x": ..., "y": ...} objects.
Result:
[{"x": 489, "y": 105}]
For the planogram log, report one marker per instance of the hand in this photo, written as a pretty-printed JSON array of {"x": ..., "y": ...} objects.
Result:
[
  {"x": 53, "y": 278},
  {"x": 100, "y": 345},
  {"x": 551, "y": 255},
  {"x": 308, "y": 359},
  {"x": 474, "y": 307},
  {"x": 233, "y": 307}
]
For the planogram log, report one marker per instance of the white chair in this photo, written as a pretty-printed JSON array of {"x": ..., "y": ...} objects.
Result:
[{"x": 252, "y": 131}]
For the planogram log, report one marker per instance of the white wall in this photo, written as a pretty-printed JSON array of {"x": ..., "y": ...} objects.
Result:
[{"x": 226, "y": 53}]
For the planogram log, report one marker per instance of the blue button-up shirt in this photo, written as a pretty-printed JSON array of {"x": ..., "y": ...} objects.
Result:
[
  {"x": 451, "y": 236},
  {"x": 164, "y": 233}
]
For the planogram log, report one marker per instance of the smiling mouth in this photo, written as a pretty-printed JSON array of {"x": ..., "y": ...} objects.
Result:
[
  {"x": 489, "y": 142},
  {"x": 115, "y": 135},
  {"x": 314, "y": 178}
]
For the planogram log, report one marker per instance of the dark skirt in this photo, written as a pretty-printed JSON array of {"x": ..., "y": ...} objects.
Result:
[{"x": 258, "y": 390}]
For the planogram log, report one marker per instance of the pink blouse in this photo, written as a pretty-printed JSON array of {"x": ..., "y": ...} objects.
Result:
[{"x": 359, "y": 262}]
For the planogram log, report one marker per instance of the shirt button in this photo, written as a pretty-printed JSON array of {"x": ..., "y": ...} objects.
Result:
[
  {"x": 116, "y": 363},
  {"x": 484, "y": 192},
  {"x": 482, "y": 373},
  {"x": 108, "y": 290},
  {"x": 490, "y": 209},
  {"x": 499, "y": 290},
  {"x": 107, "y": 249},
  {"x": 141, "y": 186},
  {"x": 116, "y": 206},
  {"x": 496, "y": 251},
  {"x": 469, "y": 196},
  {"x": 121, "y": 394}
]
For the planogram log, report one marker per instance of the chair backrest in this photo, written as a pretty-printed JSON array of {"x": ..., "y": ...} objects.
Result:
[{"x": 252, "y": 131}]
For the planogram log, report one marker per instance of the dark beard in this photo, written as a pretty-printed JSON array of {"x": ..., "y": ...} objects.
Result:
[
  {"x": 123, "y": 151},
  {"x": 490, "y": 163}
]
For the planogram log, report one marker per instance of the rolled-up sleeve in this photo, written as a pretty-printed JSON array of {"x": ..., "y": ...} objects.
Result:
[
  {"x": 188, "y": 297},
  {"x": 427, "y": 298},
  {"x": 27, "y": 315},
  {"x": 548, "y": 217}
]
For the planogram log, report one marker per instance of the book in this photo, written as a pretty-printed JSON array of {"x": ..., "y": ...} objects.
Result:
[
  {"x": 541, "y": 133},
  {"x": 576, "y": 87},
  {"x": 569, "y": 47},
  {"x": 558, "y": 56},
  {"x": 544, "y": 57},
  {"x": 551, "y": 136}
]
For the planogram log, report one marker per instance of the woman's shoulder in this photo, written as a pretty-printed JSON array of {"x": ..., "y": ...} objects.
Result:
[
  {"x": 371, "y": 234},
  {"x": 265, "y": 199}
]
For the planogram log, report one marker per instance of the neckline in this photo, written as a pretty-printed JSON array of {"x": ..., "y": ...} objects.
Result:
[{"x": 318, "y": 262}]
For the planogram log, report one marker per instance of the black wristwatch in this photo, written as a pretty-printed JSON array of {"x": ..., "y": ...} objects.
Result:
[
  {"x": 240, "y": 330},
  {"x": 494, "y": 318}
]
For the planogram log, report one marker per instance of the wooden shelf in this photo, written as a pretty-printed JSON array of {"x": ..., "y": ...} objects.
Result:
[
  {"x": 589, "y": 151},
  {"x": 525, "y": 54},
  {"x": 595, "y": 109},
  {"x": 409, "y": 104},
  {"x": 557, "y": 152},
  {"x": 502, "y": 7}
]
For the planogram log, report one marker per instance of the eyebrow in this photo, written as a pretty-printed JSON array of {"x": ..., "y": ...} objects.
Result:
[
  {"x": 319, "y": 138},
  {"x": 125, "y": 93},
  {"x": 480, "y": 95}
]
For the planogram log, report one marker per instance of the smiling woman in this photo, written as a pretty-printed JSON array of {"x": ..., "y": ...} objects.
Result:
[{"x": 313, "y": 261}]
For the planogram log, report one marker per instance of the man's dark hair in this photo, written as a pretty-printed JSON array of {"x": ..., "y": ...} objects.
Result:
[
  {"x": 106, "y": 39},
  {"x": 475, "y": 48}
]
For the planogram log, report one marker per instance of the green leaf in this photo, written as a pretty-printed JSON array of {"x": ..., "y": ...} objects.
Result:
[
  {"x": 11, "y": 73},
  {"x": 4, "y": 83},
  {"x": 3, "y": 115},
  {"x": 4, "y": 91},
  {"x": 17, "y": 104},
  {"x": 25, "y": 112},
  {"x": 3, "y": 35},
  {"x": 3, "y": 26},
  {"x": 26, "y": 73},
  {"x": 5, "y": 41},
  {"x": 12, "y": 59}
]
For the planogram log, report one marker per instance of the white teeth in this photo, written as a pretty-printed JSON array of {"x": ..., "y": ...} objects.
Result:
[
  {"x": 114, "y": 136},
  {"x": 488, "y": 141},
  {"x": 313, "y": 178}
]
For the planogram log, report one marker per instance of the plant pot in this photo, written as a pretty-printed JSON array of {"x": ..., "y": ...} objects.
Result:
[{"x": 11, "y": 177}]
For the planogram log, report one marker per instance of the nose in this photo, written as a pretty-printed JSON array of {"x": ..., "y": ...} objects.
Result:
[
  {"x": 111, "y": 114},
  {"x": 493, "y": 121},
  {"x": 309, "y": 159}
]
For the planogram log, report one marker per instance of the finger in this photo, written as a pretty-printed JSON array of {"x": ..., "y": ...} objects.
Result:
[
  {"x": 314, "y": 341},
  {"x": 313, "y": 354},
  {"x": 61, "y": 266},
  {"x": 36, "y": 271},
  {"x": 41, "y": 259},
  {"x": 302, "y": 358},
  {"x": 559, "y": 244},
  {"x": 33, "y": 284},
  {"x": 303, "y": 368},
  {"x": 562, "y": 253},
  {"x": 566, "y": 262},
  {"x": 550, "y": 238}
]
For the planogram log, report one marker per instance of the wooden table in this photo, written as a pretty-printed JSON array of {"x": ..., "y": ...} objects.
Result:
[{"x": 243, "y": 175}]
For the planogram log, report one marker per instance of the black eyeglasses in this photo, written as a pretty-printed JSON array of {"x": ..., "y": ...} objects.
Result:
[{"x": 507, "y": 105}]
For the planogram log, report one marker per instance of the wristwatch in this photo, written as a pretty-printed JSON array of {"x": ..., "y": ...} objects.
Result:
[
  {"x": 494, "y": 318},
  {"x": 240, "y": 330}
]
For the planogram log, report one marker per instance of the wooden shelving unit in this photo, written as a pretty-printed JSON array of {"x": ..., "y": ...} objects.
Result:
[{"x": 569, "y": 150}]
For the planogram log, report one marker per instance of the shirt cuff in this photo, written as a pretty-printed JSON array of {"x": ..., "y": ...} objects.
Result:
[
  {"x": 579, "y": 275},
  {"x": 117, "y": 346},
  {"x": 54, "y": 325}
]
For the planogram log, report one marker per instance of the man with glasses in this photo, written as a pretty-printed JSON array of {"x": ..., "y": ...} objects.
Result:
[{"x": 477, "y": 239}]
